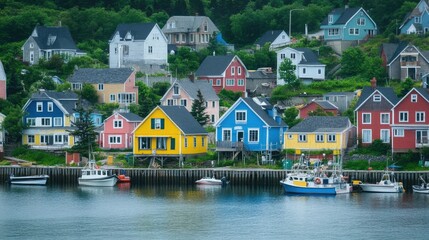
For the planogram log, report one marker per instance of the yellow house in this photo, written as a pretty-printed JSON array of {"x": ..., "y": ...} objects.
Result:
[
  {"x": 318, "y": 133},
  {"x": 169, "y": 131}
]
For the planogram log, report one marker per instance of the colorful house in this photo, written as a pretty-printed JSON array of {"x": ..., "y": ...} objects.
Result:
[
  {"x": 417, "y": 21},
  {"x": 169, "y": 132},
  {"x": 3, "y": 94},
  {"x": 49, "y": 116},
  {"x": 318, "y": 105},
  {"x": 319, "y": 133},
  {"x": 250, "y": 125},
  {"x": 344, "y": 27},
  {"x": 224, "y": 72},
  {"x": 185, "y": 92},
  {"x": 113, "y": 85},
  {"x": 373, "y": 114},
  {"x": 118, "y": 130},
  {"x": 410, "y": 127}
]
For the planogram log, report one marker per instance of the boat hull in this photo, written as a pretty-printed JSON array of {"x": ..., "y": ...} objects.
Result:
[
  {"x": 29, "y": 180},
  {"x": 330, "y": 189},
  {"x": 419, "y": 189},
  {"x": 378, "y": 188},
  {"x": 108, "y": 181}
]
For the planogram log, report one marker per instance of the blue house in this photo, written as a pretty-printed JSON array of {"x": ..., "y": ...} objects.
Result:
[
  {"x": 250, "y": 125},
  {"x": 417, "y": 21},
  {"x": 49, "y": 116},
  {"x": 346, "y": 26}
]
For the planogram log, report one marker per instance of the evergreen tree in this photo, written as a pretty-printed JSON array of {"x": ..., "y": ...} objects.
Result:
[
  {"x": 198, "y": 109},
  {"x": 84, "y": 132}
]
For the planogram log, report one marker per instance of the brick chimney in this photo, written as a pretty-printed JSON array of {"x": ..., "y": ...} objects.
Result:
[
  {"x": 373, "y": 83},
  {"x": 192, "y": 77}
]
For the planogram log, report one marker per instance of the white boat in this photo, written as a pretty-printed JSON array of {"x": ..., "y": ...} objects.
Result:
[
  {"x": 212, "y": 181},
  {"x": 387, "y": 184},
  {"x": 92, "y": 175},
  {"x": 422, "y": 188},
  {"x": 28, "y": 180}
]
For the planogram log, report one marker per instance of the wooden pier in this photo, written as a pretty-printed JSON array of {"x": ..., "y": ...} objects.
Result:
[{"x": 256, "y": 177}]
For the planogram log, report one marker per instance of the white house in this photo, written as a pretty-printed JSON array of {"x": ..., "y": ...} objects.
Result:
[
  {"x": 308, "y": 67},
  {"x": 276, "y": 39},
  {"x": 141, "y": 46}
]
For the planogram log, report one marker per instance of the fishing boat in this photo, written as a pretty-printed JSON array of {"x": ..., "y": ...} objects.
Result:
[
  {"x": 212, "y": 181},
  {"x": 93, "y": 175},
  {"x": 422, "y": 188},
  {"x": 28, "y": 180},
  {"x": 387, "y": 184}
]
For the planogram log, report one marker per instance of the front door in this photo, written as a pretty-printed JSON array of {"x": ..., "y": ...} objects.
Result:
[{"x": 240, "y": 136}]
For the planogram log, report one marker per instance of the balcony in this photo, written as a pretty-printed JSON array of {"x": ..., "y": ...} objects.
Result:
[
  {"x": 410, "y": 64},
  {"x": 228, "y": 146}
]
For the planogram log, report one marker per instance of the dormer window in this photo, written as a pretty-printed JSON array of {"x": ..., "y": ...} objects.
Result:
[
  {"x": 176, "y": 90},
  {"x": 376, "y": 98},
  {"x": 330, "y": 18},
  {"x": 31, "y": 45},
  {"x": 413, "y": 97},
  {"x": 205, "y": 27},
  {"x": 171, "y": 24},
  {"x": 51, "y": 40}
]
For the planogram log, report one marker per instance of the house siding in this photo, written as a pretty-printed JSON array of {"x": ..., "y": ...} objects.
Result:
[{"x": 291, "y": 141}]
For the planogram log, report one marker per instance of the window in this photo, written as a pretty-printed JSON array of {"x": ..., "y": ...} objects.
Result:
[
  {"x": 144, "y": 143},
  {"x": 31, "y": 57},
  {"x": 186, "y": 142},
  {"x": 183, "y": 102},
  {"x": 31, "y": 122},
  {"x": 161, "y": 143},
  {"x": 226, "y": 135},
  {"x": 332, "y": 138},
  {"x": 240, "y": 116},
  {"x": 50, "y": 107},
  {"x": 30, "y": 139},
  {"x": 292, "y": 55},
  {"x": 117, "y": 123},
  {"x": 213, "y": 104},
  {"x": 238, "y": 70},
  {"x": 333, "y": 32},
  {"x": 150, "y": 49},
  {"x": 112, "y": 98},
  {"x": 319, "y": 138},
  {"x": 31, "y": 45},
  {"x": 232, "y": 71},
  {"x": 76, "y": 86},
  {"x": 302, "y": 138},
  {"x": 172, "y": 143},
  {"x": 212, "y": 118},
  {"x": 205, "y": 27},
  {"x": 319, "y": 71},
  {"x": 330, "y": 18},
  {"x": 125, "y": 98},
  {"x": 366, "y": 118},
  {"x": 253, "y": 135},
  {"x": 176, "y": 90},
  {"x": 385, "y": 118},
  {"x": 385, "y": 135},
  {"x": 100, "y": 87},
  {"x": 125, "y": 50},
  {"x": 420, "y": 116},
  {"x": 282, "y": 56},
  {"x": 366, "y": 136},
  {"x": 115, "y": 139},
  {"x": 157, "y": 123},
  {"x": 403, "y": 116},
  {"x": 240, "y": 82},
  {"x": 354, "y": 31},
  {"x": 417, "y": 19},
  {"x": 39, "y": 107},
  {"x": 229, "y": 82},
  {"x": 399, "y": 132},
  {"x": 195, "y": 141},
  {"x": 413, "y": 97},
  {"x": 422, "y": 137},
  {"x": 58, "y": 121},
  {"x": 203, "y": 141},
  {"x": 218, "y": 82},
  {"x": 290, "y": 136},
  {"x": 304, "y": 70},
  {"x": 59, "y": 139},
  {"x": 376, "y": 98},
  {"x": 191, "y": 37},
  {"x": 361, "y": 21},
  {"x": 46, "y": 122},
  {"x": 170, "y": 102},
  {"x": 177, "y": 38}
]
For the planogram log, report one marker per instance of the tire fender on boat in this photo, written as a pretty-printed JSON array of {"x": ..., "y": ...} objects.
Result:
[{"x": 317, "y": 181}]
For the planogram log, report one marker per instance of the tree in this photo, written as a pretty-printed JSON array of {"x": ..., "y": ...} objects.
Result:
[
  {"x": 406, "y": 86},
  {"x": 198, "y": 109},
  {"x": 84, "y": 131},
  {"x": 352, "y": 62},
  {"x": 373, "y": 67},
  {"x": 89, "y": 93},
  {"x": 287, "y": 73},
  {"x": 290, "y": 117},
  {"x": 13, "y": 124}
]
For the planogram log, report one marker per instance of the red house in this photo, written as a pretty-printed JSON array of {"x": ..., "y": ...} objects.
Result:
[
  {"x": 410, "y": 127},
  {"x": 224, "y": 72},
  {"x": 325, "y": 106},
  {"x": 2, "y": 82},
  {"x": 373, "y": 113},
  {"x": 118, "y": 130}
]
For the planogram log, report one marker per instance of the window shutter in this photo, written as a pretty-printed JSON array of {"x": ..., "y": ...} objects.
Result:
[
  {"x": 162, "y": 123},
  {"x": 152, "y": 123},
  {"x": 173, "y": 143}
]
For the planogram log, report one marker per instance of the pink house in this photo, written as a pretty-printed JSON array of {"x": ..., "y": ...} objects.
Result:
[
  {"x": 184, "y": 92},
  {"x": 2, "y": 82},
  {"x": 118, "y": 130},
  {"x": 224, "y": 72}
]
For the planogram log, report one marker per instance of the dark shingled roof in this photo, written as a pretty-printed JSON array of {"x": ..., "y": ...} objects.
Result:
[
  {"x": 192, "y": 87},
  {"x": 132, "y": 117},
  {"x": 260, "y": 111},
  {"x": 322, "y": 124},
  {"x": 67, "y": 99},
  {"x": 106, "y": 75},
  {"x": 345, "y": 15},
  {"x": 184, "y": 120},
  {"x": 139, "y": 31},
  {"x": 424, "y": 92},
  {"x": 309, "y": 56},
  {"x": 61, "y": 36},
  {"x": 387, "y": 92},
  {"x": 325, "y": 104},
  {"x": 269, "y": 36},
  {"x": 214, "y": 65}
]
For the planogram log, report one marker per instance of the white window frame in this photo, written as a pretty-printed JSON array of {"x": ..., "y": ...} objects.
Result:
[
  {"x": 112, "y": 97},
  {"x": 420, "y": 116},
  {"x": 145, "y": 143},
  {"x": 118, "y": 123},
  {"x": 366, "y": 115},
  {"x": 302, "y": 138},
  {"x": 238, "y": 70},
  {"x": 423, "y": 140},
  {"x": 241, "y": 116},
  {"x": 376, "y": 98},
  {"x": 240, "y": 82},
  {"x": 381, "y": 118},
  {"x": 330, "y": 18},
  {"x": 183, "y": 102},
  {"x": 39, "y": 107},
  {"x": 115, "y": 139},
  {"x": 100, "y": 87},
  {"x": 227, "y": 134},
  {"x": 398, "y": 132},
  {"x": 45, "y": 122},
  {"x": 383, "y": 133},
  {"x": 50, "y": 106},
  {"x": 320, "y": 138},
  {"x": 251, "y": 135},
  {"x": 58, "y": 121},
  {"x": 413, "y": 97},
  {"x": 403, "y": 116},
  {"x": 230, "y": 82},
  {"x": 332, "y": 138},
  {"x": 31, "y": 122},
  {"x": 366, "y": 139},
  {"x": 31, "y": 139},
  {"x": 361, "y": 21},
  {"x": 232, "y": 71}
]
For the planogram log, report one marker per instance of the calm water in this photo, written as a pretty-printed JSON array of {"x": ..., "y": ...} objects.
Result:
[{"x": 193, "y": 212}]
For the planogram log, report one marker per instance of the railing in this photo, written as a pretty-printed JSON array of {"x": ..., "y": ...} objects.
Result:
[
  {"x": 404, "y": 64},
  {"x": 229, "y": 145}
]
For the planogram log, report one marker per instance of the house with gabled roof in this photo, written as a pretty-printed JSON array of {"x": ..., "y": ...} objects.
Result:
[
  {"x": 3, "y": 86},
  {"x": 373, "y": 113},
  {"x": 308, "y": 67},
  {"x": 275, "y": 38},
  {"x": 261, "y": 82},
  {"x": 118, "y": 130},
  {"x": 185, "y": 92},
  {"x": 250, "y": 125},
  {"x": 341, "y": 100},
  {"x": 44, "y": 42},
  {"x": 49, "y": 116},
  {"x": 344, "y": 27},
  {"x": 190, "y": 31},
  {"x": 404, "y": 60},
  {"x": 410, "y": 126},
  {"x": 113, "y": 85},
  {"x": 141, "y": 46},
  {"x": 318, "y": 105},
  {"x": 319, "y": 133},
  {"x": 416, "y": 21},
  {"x": 169, "y": 132},
  {"x": 224, "y": 72}
]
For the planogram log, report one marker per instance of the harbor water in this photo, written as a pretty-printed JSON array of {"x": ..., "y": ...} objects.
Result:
[{"x": 205, "y": 212}]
